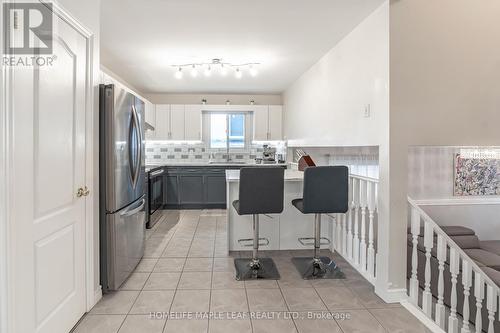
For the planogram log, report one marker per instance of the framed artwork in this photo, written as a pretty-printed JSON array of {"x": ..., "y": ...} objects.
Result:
[{"x": 476, "y": 175}]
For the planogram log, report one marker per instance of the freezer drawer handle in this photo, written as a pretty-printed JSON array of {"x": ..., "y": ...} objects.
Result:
[{"x": 132, "y": 211}]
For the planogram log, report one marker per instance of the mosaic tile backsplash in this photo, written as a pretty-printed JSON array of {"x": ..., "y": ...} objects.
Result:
[{"x": 157, "y": 153}]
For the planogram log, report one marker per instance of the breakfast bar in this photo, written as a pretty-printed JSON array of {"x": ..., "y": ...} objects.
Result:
[{"x": 282, "y": 230}]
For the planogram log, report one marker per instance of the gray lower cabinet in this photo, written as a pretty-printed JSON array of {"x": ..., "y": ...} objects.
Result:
[
  {"x": 171, "y": 196},
  {"x": 215, "y": 190},
  {"x": 191, "y": 189},
  {"x": 195, "y": 188}
]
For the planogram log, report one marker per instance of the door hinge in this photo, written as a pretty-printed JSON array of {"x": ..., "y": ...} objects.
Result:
[{"x": 16, "y": 20}]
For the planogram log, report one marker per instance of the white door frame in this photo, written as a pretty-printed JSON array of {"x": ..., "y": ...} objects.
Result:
[{"x": 6, "y": 277}]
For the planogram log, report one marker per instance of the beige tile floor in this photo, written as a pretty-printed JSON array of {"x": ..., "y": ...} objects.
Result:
[{"x": 186, "y": 270}]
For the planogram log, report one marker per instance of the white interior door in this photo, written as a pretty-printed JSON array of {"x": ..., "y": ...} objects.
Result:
[{"x": 48, "y": 167}]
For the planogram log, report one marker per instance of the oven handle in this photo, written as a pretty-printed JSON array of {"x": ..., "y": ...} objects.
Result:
[{"x": 156, "y": 173}]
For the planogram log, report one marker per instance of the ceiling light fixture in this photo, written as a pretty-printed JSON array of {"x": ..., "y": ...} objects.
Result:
[
  {"x": 178, "y": 73},
  {"x": 208, "y": 71},
  {"x": 224, "y": 66},
  {"x": 194, "y": 71},
  {"x": 223, "y": 70},
  {"x": 253, "y": 71},
  {"x": 238, "y": 74}
]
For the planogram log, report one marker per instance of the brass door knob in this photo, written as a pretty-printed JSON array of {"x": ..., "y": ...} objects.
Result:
[{"x": 82, "y": 192}]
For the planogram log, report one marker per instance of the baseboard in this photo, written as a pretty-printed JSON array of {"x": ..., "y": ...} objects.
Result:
[
  {"x": 97, "y": 295},
  {"x": 422, "y": 317},
  {"x": 391, "y": 295}
]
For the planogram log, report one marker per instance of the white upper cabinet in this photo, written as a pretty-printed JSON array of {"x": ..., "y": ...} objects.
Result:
[
  {"x": 260, "y": 122},
  {"x": 275, "y": 122},
  {"x": 184, "y": 122},
  {"x": 192, "y": 118},
  {"x": 177, "y": 122},
  {"x": 150, "y": 117},
  {"x": 162, "y": 126},
  {"x": 267, "y": 122}
]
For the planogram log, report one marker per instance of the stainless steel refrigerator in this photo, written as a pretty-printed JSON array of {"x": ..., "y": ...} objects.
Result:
[{"x": 122, "y": 184}]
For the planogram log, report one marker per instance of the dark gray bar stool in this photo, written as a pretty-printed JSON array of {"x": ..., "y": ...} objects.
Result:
[
  {"x": 325, "y": 191},
  {"x": 261, "y": 192}
]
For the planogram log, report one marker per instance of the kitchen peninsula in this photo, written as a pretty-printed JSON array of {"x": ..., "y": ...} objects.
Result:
[{"x": 282, "y": 230}]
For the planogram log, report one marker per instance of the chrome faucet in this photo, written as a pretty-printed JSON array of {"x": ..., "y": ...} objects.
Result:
[{"x": 228, "y": 157}]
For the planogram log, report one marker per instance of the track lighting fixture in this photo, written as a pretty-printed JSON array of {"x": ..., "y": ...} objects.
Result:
[{"x": 218, "y": 65}]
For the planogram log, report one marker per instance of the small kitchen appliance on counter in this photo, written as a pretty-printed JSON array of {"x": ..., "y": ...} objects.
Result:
[{"x": 268, "y": 155}]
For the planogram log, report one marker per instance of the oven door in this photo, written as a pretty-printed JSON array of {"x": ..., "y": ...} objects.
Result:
[{"x": 156, "y": 190}]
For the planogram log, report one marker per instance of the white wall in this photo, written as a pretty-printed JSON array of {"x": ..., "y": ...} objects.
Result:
[
  {"x": 326, "y": 107},
  {"x": 217, "y": 99},
  {"x": 484, "y": 219},
  {"x": 87, "y": 13},
  {"x": 430, "y": 182},
  {"x": 431, "y": 174},
  {"x": 444, "y": 87}
]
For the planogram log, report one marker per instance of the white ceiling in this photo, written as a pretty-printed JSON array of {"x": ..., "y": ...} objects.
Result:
[{"x": 140, "y": 40}]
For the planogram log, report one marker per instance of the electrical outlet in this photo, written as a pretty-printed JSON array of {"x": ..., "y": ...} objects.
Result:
[{"x": 368, "y": 111}]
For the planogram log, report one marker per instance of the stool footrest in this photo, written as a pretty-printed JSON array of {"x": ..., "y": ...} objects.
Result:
[
  {"x": 243, "y": 241},
  {"x": 308, "y": 241}
]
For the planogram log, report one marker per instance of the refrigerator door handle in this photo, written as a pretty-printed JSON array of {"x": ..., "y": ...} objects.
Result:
[
  {"x": 132, "y": 211},
  {"x": 136, "y": 165}
]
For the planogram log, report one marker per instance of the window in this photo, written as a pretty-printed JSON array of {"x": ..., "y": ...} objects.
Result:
[{"x": 227, "y": 130}]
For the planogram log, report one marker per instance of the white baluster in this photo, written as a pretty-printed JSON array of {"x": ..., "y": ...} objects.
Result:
[
  {"x": 334, "y": 232},
  {"x": 371, "y": 216},
  {"x": 441, "y": 256},
  {"x": 362, "y": 244},
  {"x": 355, "y": 245},
  {"x": 491, "y": 305},
  {"x": 344, "y": 234},
  {"x": 467, "y": 283},
  {"x": 428, "y": 243},
  {"x": 349, "y": 217},
  {"x": 338, "y": 233},
  {"x": 454, "y": 270},
  {"x": 479, "y": 294},
  {"x": 415, "y": 232}
]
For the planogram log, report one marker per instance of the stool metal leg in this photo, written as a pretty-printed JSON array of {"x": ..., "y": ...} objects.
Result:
[
  {"x": 317, "y": 267},
  {"x": 256, "y": 268},
  {"x": 255, "y": 252}
]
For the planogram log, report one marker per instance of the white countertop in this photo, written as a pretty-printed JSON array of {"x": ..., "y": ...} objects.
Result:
[
  {"x": 174, "y": 164},
  {"x": 290, "y": 175}
]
